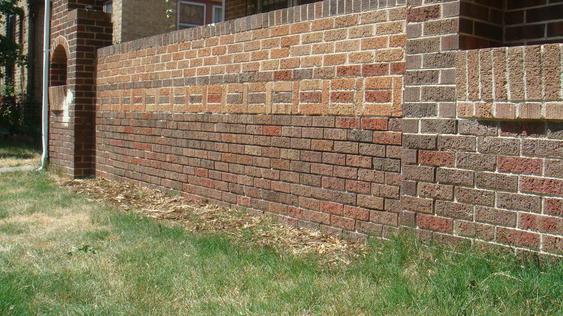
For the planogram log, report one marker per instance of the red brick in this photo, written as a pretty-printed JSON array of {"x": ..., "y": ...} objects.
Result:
[
  {"x": 356, "y": 213},
  {"x": 541, "y": 185},
  {"x": 375, "y": 123},
  {"x": 272, "y": 130},
  {"x": 421, "y": 14},
  {"x": 348, "y": 71},
  {"x": 331, "y": 207},
  {"x": 347, "y": 122},
  {"x": 387, "y": 138},
  {"x": 436, "y": 158},
  {"x": 342, "y": 222},
  {"x": 310, "y": 97},
  {"x": 378, "y": 96},
  {"x": 375, "y": 70},
  {"x": 553, "y": 206},
  {"x": 385, "y": 218},
  {"x": 520, "y": 165},
  {"x": 434, "y": 223},
  {"x": 495, "y": 216},
  {"x": 518, "y": 238},
  {"x": 542, "y": 224},
  {"x": 342, "y": 97}
]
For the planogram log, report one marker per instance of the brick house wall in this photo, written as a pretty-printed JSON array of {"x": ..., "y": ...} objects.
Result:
[
  {"x": 235, "y": 9},
  {"x": 26, "y": 79},
  {"x": 127, "y": 25},
  {"x": 510, "y": 22},
  {"x": 481, "y": 23},
  {"x": 533, "y": 22}
]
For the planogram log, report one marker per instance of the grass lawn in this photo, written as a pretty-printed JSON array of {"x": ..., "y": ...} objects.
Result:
[
  {"x": 62, "y": 254},
  {"x": 18, "y": 152}
]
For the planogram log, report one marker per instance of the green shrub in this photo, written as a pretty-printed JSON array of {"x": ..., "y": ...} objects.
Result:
[{"x": 12, "y": 111}]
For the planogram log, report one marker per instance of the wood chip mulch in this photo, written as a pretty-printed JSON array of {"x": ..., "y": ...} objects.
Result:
[{"x": 240, "y": 225}]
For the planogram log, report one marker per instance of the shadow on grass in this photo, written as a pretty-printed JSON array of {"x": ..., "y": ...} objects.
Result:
[
  {"x": 15, "y": 155},
  {"x": 16, "y": 151}
]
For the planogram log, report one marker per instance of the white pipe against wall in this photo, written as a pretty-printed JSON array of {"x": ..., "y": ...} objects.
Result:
[{"x": 45, "y": 89}]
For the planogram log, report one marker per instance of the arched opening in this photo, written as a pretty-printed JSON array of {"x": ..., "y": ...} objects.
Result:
[{"x": 58, "y": 79}]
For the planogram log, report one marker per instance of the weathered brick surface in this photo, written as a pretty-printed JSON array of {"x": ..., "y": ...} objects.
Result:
[
  {"x": 214, "y": 156},
  {"x": 495, "y": 170}
]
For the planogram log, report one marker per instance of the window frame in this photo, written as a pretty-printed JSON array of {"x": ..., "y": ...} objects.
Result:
[
  {"x": 108, "y": 7},
  {"x": 180, "y": 25},
  {"x": 222, "y": 18}
]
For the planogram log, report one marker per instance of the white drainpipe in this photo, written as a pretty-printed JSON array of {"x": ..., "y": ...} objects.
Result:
[{"x": 45, "y": 90}]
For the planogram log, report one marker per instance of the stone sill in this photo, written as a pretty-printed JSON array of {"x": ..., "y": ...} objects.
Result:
[
  {"x": 552, "y": 111},
  {"x": 57, "y": 95}
]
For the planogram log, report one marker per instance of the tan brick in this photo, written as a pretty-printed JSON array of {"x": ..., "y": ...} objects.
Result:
[
  {"x": 552, "y": 72},
  {"x": 515, "y": 73},
  {"x": 461, "y": 76},
  {"x": 486, "y": 74}
]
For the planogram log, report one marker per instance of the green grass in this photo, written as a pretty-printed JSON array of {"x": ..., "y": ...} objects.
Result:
[
  {"x": 60, "y": 254},
  {"x": 18, "y": 152}
]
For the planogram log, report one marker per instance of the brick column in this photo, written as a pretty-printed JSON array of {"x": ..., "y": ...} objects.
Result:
[
  {"x": 72, "y": 129},
  {"x": 429, "y": 120}
]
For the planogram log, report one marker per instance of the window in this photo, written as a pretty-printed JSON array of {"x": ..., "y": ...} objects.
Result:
[
  {"x": 108, "y": 7},
  {"x": 217, "y": 13},
  {"x": 190, "y": 14},
  {"x": 261, "y": 6}
]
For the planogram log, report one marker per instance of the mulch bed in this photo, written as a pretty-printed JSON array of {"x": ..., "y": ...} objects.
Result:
[{"x": 239, "y": 225}]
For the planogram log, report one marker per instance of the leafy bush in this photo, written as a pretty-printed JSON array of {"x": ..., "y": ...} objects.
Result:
[{"x": 12, "y": 111}]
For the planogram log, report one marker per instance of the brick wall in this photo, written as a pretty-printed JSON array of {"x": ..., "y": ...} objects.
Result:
[
  {"x": 345, "y": 121},
  {"x": 498, "y": 182},
  {"x": 481, "y": 23},
  {"x": 427, "y": 197},
  {"x": 235, "y": 9},
  {"x": 533, "y": 22},
  {"x": 510, "y": 22},
  {"x": 301, "y": 118}
]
